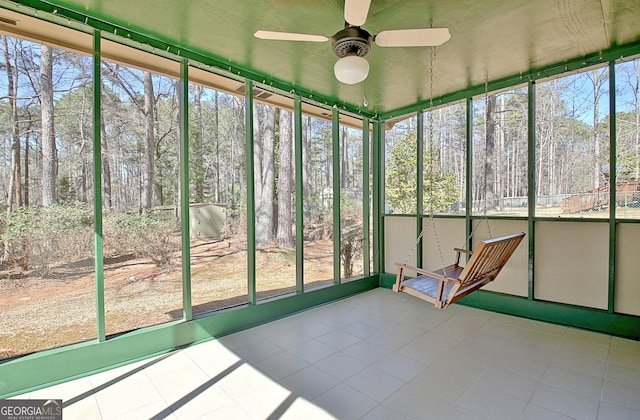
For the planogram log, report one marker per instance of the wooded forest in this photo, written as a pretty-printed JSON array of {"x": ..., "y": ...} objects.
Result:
[
  {"x": 48, "y": 160},
  {"x": 49, "y": 169},
  {"x": 572, "y": 123},
  {"x": 48, "y": 157}
]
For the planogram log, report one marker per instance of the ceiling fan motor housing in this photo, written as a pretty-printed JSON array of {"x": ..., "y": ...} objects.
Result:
[{"x": 351, "y": 40}]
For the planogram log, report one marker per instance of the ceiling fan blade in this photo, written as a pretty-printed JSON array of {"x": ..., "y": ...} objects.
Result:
[
  {"x": 356, "y": 11},
  {"x": 426, "y": 37},
  {"x": 289, "y": 36}
]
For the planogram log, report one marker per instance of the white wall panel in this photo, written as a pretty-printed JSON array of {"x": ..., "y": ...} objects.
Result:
[{"x": 571, "y": 263}]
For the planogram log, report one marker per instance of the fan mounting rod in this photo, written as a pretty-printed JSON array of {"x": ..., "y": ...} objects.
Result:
[{"x": 352, "y": 40}]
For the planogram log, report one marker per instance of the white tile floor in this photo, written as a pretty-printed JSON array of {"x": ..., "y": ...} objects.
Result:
[{"x": 378, "y": 355}]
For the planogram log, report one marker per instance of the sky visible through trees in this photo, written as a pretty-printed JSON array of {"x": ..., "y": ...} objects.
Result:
[{"x": 572, "y": 148}]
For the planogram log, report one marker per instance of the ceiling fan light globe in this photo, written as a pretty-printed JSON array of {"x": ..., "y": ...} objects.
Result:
[{"x": 351, "y": 69}]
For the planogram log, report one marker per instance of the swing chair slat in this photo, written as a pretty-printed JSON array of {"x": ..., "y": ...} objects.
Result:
[{"x": 446, "y": 285}]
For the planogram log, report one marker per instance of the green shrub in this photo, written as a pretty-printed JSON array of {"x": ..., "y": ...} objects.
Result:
[
  {"x": 350, "y": 248},
  {"x": 36, "y": 237},
  {"x": 142, "y": 235}
]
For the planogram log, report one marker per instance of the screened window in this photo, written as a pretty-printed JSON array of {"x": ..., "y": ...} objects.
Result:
[
  {"x": 444, "y": 157},
  {"x": 572, "y": 145},
  {"x": 499, "y": 145},
  {"x": 47, "y": 280},
  {"x": 628, "y": 139},
  {"x": 352, "y": 206},
  {"x": 317, "y": 174},
  {"x": 141, "y": 199},
  {"x": 401, "y": 152},
  {"x": 217, "y": 197},
  {"x": 274, "y": 200}
]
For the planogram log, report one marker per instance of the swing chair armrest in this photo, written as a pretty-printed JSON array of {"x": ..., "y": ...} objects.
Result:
[
  {"x": 463, "y": 251},
  {"x": 435, "y": 275}
]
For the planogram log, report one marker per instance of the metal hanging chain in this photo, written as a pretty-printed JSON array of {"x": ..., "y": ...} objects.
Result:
[
  {"x": 431, "y": 173},
  {"x": 431, "y": 168},
  {"x": 413, "y": 249},
  {"x": 486, "y": 137},
  {"x": 484, "y": 215},
  {"x": 431, "y": 219}
]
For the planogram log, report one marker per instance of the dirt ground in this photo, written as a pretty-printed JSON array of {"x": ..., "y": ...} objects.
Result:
[{"x": 59, "y": 308}]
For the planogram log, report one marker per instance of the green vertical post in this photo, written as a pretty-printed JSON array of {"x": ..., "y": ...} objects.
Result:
[
  {"x": 298, "y": 147},
  {"x": 613, "y": 188},
  {"x": 251, "y": 212},
  {"x": 187, "y": 309},
  {"x": 378, "y": 198},
  {"x": 531, "y": 193},
  {"x": 335, "y": 138},
  {"x": 469, "y": 174},
  {"x": 420, "y": 183},
  {"x": 366, "y": 216},
  {"x": 97, "y": 189}
]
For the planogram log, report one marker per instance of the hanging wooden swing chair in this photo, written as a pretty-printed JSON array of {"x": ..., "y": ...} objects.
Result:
[
  {"x": 445, "y": 286},
  {"x": 448, "y": 284}
]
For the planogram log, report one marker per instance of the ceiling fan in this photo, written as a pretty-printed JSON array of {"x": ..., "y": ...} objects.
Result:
[{"x": 352, "y": 43}]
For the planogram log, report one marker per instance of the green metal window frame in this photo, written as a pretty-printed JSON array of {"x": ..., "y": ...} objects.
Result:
[
  {"x": 336, "y": 201},
  {"x": 251, "y": 196},
  {"x": 366, "y": 195},
  {"x": 185, "y": 220},
  {"x": 52, "y": 366},
  {"x": 299, "y": 192},
  {"x": 56, "y": 365},
  {"x": 420, "y": 183},
  {"x": 97, "y": 190},
  {"x": 607, "y": 321}
]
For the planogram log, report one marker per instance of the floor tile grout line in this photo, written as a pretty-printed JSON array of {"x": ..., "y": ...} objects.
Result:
[{"x": 506, "y": 343}]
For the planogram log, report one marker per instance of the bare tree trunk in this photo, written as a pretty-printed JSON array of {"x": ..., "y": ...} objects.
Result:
[
  {"x": 596, "y": 135},
  {"x": 344, "y": 171},
  {"x": 14, "y": 196},
  {"x": 26, "y": 169},
  {"x": 284, "y": 234},
  {"x": 490, "y": 133},
  {"x": 195, "y": 139},
  {"x": 238, "y": 186},
  {"x": 27, "y": 159},
  {"x": 499, "y": 152},
  {"x": 490, "y": 136},
  {"x": 264, "y": 174},
  {"x": 306, "y": 156},
  {"x": 551, "y": 164},
  {"x": 329, "y": 160},
  {"x": 513, "y": 170},
  {"x": 49, "y": 152},
  {"x": 216, "y": 133},
  {"x": 158, "y": 190},
  {"x": 106, "y": 168},
  {"x": 276, "y": 168},
  {"x": 551, "y": 135},
  {"x": 148, "y": 176}
]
